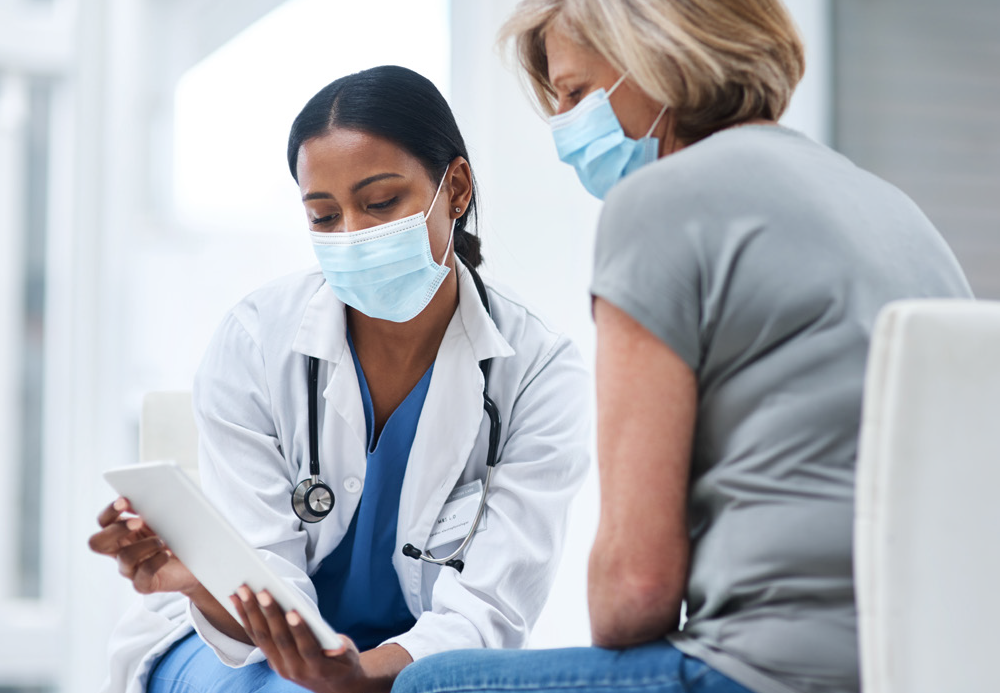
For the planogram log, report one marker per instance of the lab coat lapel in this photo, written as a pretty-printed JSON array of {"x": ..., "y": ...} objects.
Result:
[
  {"x": 446, "y": 433},
  {"x": 323, "y": 330},
  {"x": 323, "y": 334},
  {"x": 343, "y": 392}
]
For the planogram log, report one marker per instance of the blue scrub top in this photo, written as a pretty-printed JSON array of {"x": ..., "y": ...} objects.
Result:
[{"x": 357, "y": 587}]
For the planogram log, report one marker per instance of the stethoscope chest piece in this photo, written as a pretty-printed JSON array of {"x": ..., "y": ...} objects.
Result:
[{"x": 312, "y": 500}]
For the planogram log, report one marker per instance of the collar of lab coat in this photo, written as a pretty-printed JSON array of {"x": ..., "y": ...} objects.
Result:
[
  {"x": 323, "y": 334},
  {"x": 323, "y": 330}
]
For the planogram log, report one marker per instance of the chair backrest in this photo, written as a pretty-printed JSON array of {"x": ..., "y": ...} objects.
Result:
[
  {"x": 167, "y": 430},
  {"x": 927, "y": 522}
]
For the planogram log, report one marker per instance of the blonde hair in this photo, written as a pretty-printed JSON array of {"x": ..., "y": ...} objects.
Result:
[{"x": 715, "y": 63}]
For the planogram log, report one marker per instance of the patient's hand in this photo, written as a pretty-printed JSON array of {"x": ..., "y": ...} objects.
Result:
[{"x": 142, "y": 556}]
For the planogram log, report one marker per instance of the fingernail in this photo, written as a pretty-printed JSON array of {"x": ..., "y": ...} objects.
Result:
[
  {"x": 293, "y": 618},
  {"x": 120, "y": 504},
  {"x": 244, "y": 593},
  {"x": 264, "y": 598},
  {"x": 133, "y": 523}
]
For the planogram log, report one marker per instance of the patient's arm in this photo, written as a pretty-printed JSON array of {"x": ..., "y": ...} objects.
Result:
[{"x": 646, "y": 405}]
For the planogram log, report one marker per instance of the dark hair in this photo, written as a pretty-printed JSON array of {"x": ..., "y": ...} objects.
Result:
[{"x": 403, "y": 107}]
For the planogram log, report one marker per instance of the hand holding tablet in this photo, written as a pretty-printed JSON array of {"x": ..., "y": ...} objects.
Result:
[{"x": 206, "y": 543}]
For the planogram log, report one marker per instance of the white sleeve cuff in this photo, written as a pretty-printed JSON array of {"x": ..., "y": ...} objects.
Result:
[
  {"x": 232, "y": 653},
  {"x": 434, "y": 632}
]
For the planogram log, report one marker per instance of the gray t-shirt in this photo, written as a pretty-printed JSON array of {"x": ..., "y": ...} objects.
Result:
[{"x": 762, "y": 258}]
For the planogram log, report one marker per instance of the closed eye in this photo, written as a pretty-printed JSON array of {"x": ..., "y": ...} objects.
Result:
[
  {"x": 572, "y": 98},
  {"x": 379, "y": 206},
  {"x": 323, "y": 220}
]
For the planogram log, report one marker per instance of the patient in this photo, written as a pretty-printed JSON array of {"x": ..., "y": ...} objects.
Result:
[{"x": 738, "y": 273}]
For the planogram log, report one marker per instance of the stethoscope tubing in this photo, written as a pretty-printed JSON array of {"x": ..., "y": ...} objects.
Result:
[
  {"x": 313, "y": 419},
  {"x": 426, "y": 555}
]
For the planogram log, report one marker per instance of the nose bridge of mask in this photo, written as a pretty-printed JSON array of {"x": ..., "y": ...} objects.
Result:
[
  {"x": 592, "y": 123},
  {"x": 597, "y": 99}
]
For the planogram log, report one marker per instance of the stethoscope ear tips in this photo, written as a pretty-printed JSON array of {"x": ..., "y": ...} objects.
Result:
[
  {"x": 411, "y": 551},
  {"x": 312, "y": 500}
]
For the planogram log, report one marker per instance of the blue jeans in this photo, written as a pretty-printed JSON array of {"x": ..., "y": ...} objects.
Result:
[
  {"x": 654, "y": 668},
  {"x": 190, "y": 666}
]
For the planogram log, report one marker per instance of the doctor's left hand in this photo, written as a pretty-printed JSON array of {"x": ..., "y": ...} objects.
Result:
[{"x": 293, "y": 651}]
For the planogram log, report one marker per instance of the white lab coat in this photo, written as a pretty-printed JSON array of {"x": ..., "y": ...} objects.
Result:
[{"x": 250, "y": 400}]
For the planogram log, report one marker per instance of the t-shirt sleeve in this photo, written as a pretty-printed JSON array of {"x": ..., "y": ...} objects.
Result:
[{"x": 648, "y": 263}]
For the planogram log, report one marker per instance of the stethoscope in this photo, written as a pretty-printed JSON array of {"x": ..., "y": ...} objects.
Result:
[{"x": 313, "y": 499}]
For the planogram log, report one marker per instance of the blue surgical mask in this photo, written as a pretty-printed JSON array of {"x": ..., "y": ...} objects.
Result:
[
  {"x": 590, "y": 138},
  {"x": 386, "y": 271}
]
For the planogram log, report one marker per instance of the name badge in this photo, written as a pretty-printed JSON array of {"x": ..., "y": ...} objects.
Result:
[{"x": 457, "y": 515}]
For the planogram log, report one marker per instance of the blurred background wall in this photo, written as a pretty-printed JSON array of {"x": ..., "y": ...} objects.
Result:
[
  {"x": 917, "y": 101},
  {"x": 143, "y": 191}
]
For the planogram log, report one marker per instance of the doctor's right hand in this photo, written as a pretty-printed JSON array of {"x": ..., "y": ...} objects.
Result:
[{"x": 142, "y": 556}]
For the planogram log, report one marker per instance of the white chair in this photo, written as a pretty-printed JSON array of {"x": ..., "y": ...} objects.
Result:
[
  {"x": 927, "y": 522},
  {"x": 167, "y": 430}
]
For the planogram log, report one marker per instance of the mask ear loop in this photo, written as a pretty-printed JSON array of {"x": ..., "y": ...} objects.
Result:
[
  {"x": 653, "y": 126},
  {"x": 451, "y": 234},
  {"x": 660, "y": 115},
  {"x": 615, "y": 86},
  {"x": 436, "y": 193},
  {"x": 447, "y": 248}
]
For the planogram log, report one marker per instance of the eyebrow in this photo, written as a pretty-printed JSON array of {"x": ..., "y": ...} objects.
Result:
[
  {"x": 354, "y": 188},
  {"x": 572, "y": 75},
  {"x": 560, "y": 80}
]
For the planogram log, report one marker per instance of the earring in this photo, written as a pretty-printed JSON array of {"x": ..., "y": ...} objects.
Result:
[{"x": 458, "y": 210}]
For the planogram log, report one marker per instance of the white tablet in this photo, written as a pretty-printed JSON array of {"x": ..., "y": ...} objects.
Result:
[{"x": 204, "y": 541}]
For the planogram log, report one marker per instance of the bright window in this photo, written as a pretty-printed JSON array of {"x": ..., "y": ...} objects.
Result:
[{"x": 234, "y": 109}]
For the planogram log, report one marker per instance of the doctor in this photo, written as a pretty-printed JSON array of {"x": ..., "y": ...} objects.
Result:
[{"x": 396, "y": 328}]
